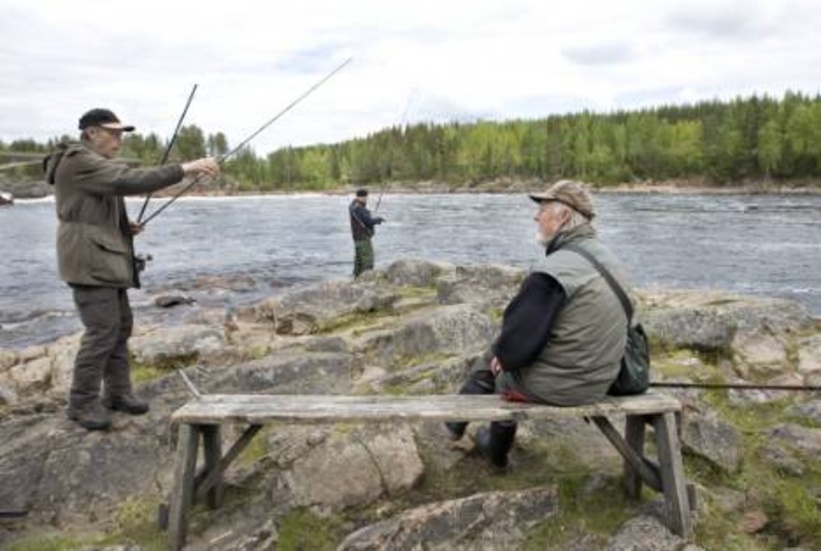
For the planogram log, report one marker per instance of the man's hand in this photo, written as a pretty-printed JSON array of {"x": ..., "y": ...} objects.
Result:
[
  {"x": 136, "y": 227},
  {"x": 206, "y": 165},
  {"x": 495, "y": 366}
]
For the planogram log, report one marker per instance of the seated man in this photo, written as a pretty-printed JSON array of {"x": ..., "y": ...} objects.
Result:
[{"x": 563, "y": 334}]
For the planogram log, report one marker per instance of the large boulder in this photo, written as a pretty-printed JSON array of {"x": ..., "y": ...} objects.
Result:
[
  {"x": 487, "y": 286},
  {"x": 348, "y": 467},
  {"x": 706, "y": 435},
  {"x": 449, "y": 330},
  {"x": 313, "y": 309},
  {"x": 495, "y": 520}
]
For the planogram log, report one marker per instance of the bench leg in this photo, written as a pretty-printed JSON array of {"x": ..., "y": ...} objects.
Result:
[
  {"x": 182, "y": 489},
  {"x": 634, "y": 435},
  {"x": 672, "y": 474},
  {"x": 212, "y": 446}
]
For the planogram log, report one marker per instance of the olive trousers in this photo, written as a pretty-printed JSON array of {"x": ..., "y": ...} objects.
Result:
[
  {"x": 102, "y": 359},
  {"x": 363, "y": 256}
]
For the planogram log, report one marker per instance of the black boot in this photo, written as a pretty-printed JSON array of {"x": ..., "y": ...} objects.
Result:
[
  {"x": 495, "y": 442},
  {"x": 480, "y": 382},
  {"x": 91, "y": 416},
  {"x": 127, "y": 403}
]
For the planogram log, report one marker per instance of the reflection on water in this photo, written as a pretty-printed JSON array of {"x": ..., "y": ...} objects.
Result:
[{"x": 760, "y": 244}]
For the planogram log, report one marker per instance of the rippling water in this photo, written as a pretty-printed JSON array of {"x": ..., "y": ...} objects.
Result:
[{"x": 754, "y": 244}]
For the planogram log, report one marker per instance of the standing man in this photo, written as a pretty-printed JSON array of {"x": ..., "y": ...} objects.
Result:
[
  {"x": 95, "y": 255},
  {"x": 363, "y": 226},
  {"x": 563, "y": 335}
]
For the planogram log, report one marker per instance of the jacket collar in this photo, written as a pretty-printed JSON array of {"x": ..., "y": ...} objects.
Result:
[{"x": 564, "y": 238}]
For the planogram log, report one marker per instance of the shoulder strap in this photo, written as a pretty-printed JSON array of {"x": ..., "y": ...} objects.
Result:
[{"x": 608, "y": 277}]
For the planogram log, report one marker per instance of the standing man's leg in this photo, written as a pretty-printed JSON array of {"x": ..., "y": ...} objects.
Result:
[
  {"x": 99, "y": 310},
  {"x": 367, "y": 255},
  {"x": 118, "y": 393},
  {"x": 363, "y": 256}
]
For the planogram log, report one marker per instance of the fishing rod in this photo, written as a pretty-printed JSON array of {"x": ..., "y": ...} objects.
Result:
[
  {"x": 402, "y": 123},
  {"x": 169, "y": 146},
  {"x": 245, "y": 142},
  {"x": 737, "y": 386}
]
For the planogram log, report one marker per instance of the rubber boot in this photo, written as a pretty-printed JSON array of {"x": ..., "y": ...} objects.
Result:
[
  {"x": 480, "y": 382},
  {"x": 495, "y": 442}
]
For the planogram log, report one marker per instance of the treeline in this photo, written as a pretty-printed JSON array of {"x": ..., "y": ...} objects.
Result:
[{"x": 758, "y": 137}]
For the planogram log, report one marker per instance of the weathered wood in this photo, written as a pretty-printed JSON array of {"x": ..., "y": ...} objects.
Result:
[
  {"x": 182, "y": 488},
  {"x": 648, "y": 472},
  {"x": 211, "y": 476},
  {"x": 207, "y": 413},
  {"x": 672, "y": 474},
  {"x": 634, "y": 431},
  {"x": 212, "y": 446},
  {"x": 260, "y": 409}
]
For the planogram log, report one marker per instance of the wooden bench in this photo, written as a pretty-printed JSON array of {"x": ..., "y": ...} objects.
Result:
[{"x": 204, "y": 416}]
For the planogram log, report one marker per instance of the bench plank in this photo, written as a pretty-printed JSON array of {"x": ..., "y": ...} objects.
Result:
[{"x": 260, "y": 409}]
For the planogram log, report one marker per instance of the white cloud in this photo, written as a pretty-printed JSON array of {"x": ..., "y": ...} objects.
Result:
[{"x": 456, "y": 59}]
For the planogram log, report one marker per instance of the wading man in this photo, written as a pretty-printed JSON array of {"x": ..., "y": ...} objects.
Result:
[
  {"x": 563, "y": 335},
  {"x": 363, "y": 226},
  {"x": 95, "y": 256}
]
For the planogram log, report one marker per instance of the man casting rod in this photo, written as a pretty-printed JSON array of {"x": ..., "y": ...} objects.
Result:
[
  {"x": 245, "y": 142},
  {"x": 170, "y": 145}
]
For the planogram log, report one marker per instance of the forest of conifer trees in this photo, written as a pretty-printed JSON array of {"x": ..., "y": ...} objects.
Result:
[{"x": 758, "y": 138}]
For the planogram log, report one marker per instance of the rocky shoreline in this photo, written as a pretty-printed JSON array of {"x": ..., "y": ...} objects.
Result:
[{"x": 418, "y": 327}]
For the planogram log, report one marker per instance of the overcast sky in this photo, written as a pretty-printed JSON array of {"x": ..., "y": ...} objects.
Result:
[{"x": 412, "y": 60}]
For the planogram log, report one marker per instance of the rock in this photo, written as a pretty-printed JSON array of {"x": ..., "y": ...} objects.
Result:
[
  {"x": 495, "y": 520},
  {"x": 419, "y": 273},
  {"x": 32, "y": 376},
  {"x": 705, "y": 435},
  {"x": 806, "y": 440},
  {"x": 292, "y": 371},
  {"x": 310, "y": 310},
  {"x": 7, "y": 359},
  {"x": 453, "y": 330},
  {"x": 754, "y": 521},
  {"x": 646, "y": 533},
  {"x": 187, "y": 342},
  {"x": 8, "y": 396},
  {"x": 782, "y": 460},
  {"x": 753, "y": 328},
  {"x": 167, "y": 301},
  {"x": 353, "y": 468},
  {"x": 809, "y": 355},
  {"x": 483, "y": 285},
  {"x": 810, "y": 410}
]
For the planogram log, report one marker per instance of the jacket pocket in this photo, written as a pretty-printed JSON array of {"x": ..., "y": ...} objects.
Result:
[{"x": 110, "y": 256}]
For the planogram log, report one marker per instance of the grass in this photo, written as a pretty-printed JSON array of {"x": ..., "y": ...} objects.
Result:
[{"x": 303, "y": 530}]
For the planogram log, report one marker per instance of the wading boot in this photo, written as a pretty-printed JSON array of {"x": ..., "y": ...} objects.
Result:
[
  {"x": 480, "y": 382},
  {"x": 494, "y": 442},
  {"x": 126, "y": 403},
  {"x": 91, "y": 417}
]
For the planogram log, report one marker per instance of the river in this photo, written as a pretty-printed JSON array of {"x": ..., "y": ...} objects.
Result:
[{"x": 753, "y": 244}]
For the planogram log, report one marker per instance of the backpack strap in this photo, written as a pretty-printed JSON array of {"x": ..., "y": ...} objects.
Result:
[{"x": 608, "y": 277}]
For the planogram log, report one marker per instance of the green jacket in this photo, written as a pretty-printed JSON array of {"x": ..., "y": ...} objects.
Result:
[
  {"x": 94, "y": 239},
  {"x": 583, "y": 353}
]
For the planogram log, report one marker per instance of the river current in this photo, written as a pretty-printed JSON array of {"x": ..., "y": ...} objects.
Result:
[{"x": 753, "y": 244}]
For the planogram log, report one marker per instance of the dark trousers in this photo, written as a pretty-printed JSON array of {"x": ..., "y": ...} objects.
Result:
[
  {"x": 363, "y": 256},
  {"x": 103, "y": 355}
]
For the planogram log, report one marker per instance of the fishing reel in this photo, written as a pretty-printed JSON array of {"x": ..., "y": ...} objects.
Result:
[{"x": 141, "y": 261}]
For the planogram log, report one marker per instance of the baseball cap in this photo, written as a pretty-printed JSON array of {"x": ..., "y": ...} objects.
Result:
[
  {"x": 104, "y": 118},
  {"x": 573, "y": 194}
]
